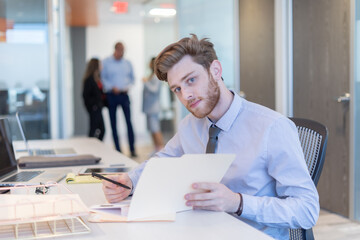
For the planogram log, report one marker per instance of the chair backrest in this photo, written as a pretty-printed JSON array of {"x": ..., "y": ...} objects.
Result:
[{"x": 313, "y": 138}]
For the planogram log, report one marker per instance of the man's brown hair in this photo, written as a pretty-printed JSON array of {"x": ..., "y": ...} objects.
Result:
[{"x": 202, "y": 52}]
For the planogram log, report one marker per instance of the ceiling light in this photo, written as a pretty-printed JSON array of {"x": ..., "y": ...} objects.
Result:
[{"x": 162, "y": 12}]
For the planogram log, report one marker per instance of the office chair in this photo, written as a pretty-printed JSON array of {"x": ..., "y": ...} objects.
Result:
[{"x": 313, "y": 138}]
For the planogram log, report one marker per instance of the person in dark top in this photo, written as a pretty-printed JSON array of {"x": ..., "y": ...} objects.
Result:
[{"x": 93, "y": 98}]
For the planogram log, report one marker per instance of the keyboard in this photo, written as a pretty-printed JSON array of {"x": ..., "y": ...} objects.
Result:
[{"x": 23, "y": 176}]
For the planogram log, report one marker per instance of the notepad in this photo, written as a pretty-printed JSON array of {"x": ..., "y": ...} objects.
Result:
[
  {"x": 73, "y": 178},
  {"x": 160, "y": 191}
]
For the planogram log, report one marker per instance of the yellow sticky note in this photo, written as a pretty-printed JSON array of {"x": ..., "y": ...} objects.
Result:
[{"x": 72, "y": 178}]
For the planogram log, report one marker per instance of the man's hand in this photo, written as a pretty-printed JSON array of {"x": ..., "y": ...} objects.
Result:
[
  {"x": 213, "y": 196},
  {"x": 115, "y": 193}
]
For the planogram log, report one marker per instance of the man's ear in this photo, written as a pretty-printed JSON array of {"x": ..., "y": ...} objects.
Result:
[{"x": 216, "y": 70}]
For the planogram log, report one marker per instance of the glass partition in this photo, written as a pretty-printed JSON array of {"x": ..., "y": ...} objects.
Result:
[
  {"x": 218, "y": 22},
  {"x": 356, "y": 111},
  {"x": 24, "y": 64}
]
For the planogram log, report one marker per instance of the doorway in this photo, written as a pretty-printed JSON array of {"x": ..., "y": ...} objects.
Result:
[{"x": 321, "y": 48}]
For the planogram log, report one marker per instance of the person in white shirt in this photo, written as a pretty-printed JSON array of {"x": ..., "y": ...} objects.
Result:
[{"x": 268, "y": 184}]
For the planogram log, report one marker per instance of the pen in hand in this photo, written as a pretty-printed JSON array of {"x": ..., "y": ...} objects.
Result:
[{"x": 95, "y": 175}]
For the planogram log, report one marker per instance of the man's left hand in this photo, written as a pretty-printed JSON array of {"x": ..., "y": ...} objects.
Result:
[{"x": 213, "y": 196}]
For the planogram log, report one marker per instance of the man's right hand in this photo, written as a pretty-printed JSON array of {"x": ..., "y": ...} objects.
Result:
[{"x": 114, "y": 193}]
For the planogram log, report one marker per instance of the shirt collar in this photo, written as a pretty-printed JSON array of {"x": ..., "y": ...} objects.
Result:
[{"x": 227, "y": 120}]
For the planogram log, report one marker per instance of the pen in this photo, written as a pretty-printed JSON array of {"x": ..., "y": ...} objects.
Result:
[{"x": 95, "y": 175}]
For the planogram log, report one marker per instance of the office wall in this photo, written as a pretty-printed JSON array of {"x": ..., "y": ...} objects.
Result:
[
  {"x": 257, "y": 54},
  {"x": 157, "y": 36},
  {"x": 78, "y": 49}
]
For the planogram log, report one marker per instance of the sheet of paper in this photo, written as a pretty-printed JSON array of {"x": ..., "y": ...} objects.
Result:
[
  {"x": 165, "y": 181},
  {"x": 120, "y": 215},
  {"x": 118, "y": 212}
]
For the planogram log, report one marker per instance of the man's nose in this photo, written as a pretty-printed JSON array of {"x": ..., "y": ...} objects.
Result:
[{"x": 187, "y": 94}]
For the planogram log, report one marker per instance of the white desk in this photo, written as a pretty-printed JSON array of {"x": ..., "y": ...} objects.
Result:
[{"x": 188, "y": 225}]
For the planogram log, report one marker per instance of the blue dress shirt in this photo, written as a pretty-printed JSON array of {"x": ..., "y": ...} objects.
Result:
[
  {"x": 117, "y": 73},
  {"x": 269, "y": 169}
]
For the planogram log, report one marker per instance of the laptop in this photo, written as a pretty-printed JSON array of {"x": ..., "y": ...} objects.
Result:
[
  {"x": 42, "y": 152},
  {"x": 9, "y": 173}
]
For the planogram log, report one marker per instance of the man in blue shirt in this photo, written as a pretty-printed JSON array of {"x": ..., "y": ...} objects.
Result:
[
  {"x": 117, "y": 77},
  {"x": 268, "y": 184}
]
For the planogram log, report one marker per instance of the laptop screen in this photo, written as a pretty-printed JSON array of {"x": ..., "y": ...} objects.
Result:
[
  {"x": 7, "y": 158},
  {"x": 17, "y": 116}
]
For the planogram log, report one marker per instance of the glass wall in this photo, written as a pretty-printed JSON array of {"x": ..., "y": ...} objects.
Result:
[
  {"x": 218, "y": 22},
  {"x": 208, "y": 18},
  {"x": 24, "y": 64}
]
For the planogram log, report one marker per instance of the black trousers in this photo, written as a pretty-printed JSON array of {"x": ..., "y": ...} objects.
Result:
[
  {"x": 97, "y": 127},
  {"x": 122, "y": 99}
]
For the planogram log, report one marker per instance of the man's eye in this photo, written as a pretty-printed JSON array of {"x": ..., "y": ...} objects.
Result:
[
  {"x": 176, "y": 90},
  {"x": 191, "y": 80}
]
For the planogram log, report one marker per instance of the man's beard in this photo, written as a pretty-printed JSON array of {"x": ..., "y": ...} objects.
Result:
[{"x": 210, "y": 101}]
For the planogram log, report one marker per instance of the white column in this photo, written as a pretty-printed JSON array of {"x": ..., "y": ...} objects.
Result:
[
  {"x": 53, "y": 23},
  {"x": 283, "y": 57}
]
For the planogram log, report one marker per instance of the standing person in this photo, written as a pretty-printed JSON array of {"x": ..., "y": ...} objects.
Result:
[
  {"x": 151, "y": 106},
  {"x": 268, "y": 184},
  {"x": 92, "y": 95},
  {"x": 117, "y": 77}
]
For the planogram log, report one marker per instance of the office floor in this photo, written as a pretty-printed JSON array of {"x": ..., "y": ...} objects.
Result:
[{"x": 330, "y": 226}]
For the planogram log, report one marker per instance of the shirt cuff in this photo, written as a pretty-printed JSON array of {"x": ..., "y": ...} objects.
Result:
[
  {"x": 134, "y": 179},
  {"x": 250, "y": 206}
]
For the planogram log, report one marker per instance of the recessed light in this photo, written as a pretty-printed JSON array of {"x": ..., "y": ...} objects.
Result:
[{"x": 163, "y": 12}]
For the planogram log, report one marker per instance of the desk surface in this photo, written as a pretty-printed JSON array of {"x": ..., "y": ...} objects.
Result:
[{"x": 188, "y": 225}]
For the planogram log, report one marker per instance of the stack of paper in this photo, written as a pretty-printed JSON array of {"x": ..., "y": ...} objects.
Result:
[{"x": 163, "y": 184}]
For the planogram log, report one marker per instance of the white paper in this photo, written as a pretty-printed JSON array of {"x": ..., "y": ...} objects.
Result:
[
  {"x": 165, "y": 181},
  {"x": 118, "y": 216},
  {"x": 118, "y": 212}
]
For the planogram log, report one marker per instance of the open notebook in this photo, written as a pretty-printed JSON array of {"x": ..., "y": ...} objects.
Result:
[
  {"x": 9, "y": 173},
  {"x": 160, "y": 191}
]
